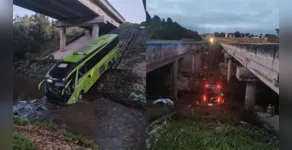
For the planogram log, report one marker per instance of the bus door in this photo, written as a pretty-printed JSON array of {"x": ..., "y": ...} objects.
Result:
[
  {"x": 70, "y": 86},
  {"x": 81, "y": 79}
]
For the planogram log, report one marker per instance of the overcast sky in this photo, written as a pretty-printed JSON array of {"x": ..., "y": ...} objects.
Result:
[
  {"x": 132, "y": 10},
  {"x": 254, "y": 16}
]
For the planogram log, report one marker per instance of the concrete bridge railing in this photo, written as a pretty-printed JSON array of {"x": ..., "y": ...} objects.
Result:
[
  {"x": 157, "y": 51},
  {"x": 260, "y": 59}
]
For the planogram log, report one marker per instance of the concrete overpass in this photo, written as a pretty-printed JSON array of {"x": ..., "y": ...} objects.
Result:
[
  {"x": 97, "y": 16},
  {"x": 258, "y": 63},
  {"x": 163, "y": 52}
]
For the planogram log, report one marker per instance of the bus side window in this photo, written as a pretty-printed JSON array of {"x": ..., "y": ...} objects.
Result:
[
  {"x": 81, "y": 72},
  {"x": 101, "y": 69},
  {"x": 73, "y": 78}
]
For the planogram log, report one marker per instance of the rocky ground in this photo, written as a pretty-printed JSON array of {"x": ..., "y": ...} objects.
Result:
[
  {"x": 47, "y": 137},
  {"x": 33, "y": 68},
  {"x": 127, "y": 82},
  {"x": 110, "y": 124}
]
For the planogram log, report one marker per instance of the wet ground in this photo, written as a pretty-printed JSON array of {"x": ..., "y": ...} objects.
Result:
[
  {"x": 25, "y": 87},
  {"x": 111, "y": 124}
]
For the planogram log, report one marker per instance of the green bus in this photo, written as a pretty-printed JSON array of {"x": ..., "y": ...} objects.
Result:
[{"x": 68, "y": 80}]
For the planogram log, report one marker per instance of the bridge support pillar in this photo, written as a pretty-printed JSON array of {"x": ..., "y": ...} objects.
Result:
[
  {"x": 95, "y": 31},
  {"x": 250, "y": 96},
  {"x": 229, "y": 70},
  {"x": 193, "y": 63},
  {"x": 63, "y": 39},
  {"x": 198, "y": 63},
  {"x": 174, "y": 79}
]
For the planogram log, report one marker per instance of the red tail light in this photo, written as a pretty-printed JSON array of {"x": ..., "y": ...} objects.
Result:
[
  {"x": 204, "y": 98},
  {"x": 206, "y": 85},
  {"x": 218, "y": 86},
  {"x": 218, "y": 99}
]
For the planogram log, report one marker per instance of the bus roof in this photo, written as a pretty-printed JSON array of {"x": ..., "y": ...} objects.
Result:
[
  {"x": 60, "y": 70},
  {"x": 93, "y": 45}
]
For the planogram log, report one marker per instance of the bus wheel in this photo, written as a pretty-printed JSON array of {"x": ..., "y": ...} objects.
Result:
[{"x": 80, "y": 96}]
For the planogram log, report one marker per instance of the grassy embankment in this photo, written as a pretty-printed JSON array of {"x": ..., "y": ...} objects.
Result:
[
  {"x": 22, "y": 139},
  {"x": 212, "y": 128},
  {"x": 206, "y": 134}
]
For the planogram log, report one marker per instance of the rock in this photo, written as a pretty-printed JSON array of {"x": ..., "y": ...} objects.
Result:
[
  {"x": 35, "y": 110},
  {"x": 164, "y": 101}
]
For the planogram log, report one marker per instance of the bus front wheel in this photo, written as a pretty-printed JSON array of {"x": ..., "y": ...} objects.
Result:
[{"x": 80, "y": 96}]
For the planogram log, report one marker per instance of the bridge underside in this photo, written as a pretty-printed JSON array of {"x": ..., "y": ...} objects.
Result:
[
  {"x": 61, "y": 9},
  {"x": 261, "y": 60},
  {"x": 68, "y": 10}
]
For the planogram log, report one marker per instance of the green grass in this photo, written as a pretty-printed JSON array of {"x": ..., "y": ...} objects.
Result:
[
  {"x": 207, "y": 135},
  {"x": 20, "y": 142},
  {"x": 67, "y": 135},
  {"x": 80, "y": 139},
  {"x": 21, "y": 122}
]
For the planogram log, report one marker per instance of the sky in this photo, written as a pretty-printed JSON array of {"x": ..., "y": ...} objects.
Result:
[
  {"x": 208, "y": 16},
  {"x": 132, "y": 10}
]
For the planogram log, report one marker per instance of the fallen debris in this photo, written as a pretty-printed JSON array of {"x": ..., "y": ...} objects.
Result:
[
  {"x": 139, "y": 97},
  {"x": 34, "y": 110}
]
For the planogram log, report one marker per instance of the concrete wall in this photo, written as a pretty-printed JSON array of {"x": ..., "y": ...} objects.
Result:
[
  {"x": 161, "y": 50},
  {"x": 261, "y": 59}
]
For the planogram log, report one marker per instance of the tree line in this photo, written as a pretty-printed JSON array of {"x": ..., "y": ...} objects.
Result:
[
  {"x": 168, "y": 29},
  {"x": 239, "y": 34},
  {"x": 36, "y": 34},
  {"x": 30, "y": 33}
]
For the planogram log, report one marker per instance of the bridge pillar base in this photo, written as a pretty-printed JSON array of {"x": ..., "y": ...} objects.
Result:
[
  {"x": 250, "y": 96},
  {"x": 63, "y": 39},
  {"x": 95, "y": 31},
  {"x": 174, "y": 79}
]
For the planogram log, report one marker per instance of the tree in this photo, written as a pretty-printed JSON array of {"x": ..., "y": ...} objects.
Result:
[
  {"x": 31, "y": 33},
  {"x": 261, "y": 35},
  {"x": 237, "y": 34},
  {"x": 148, "y": 17},
  {"x": 222, "y": 34},
  {"x": 169, "y": 21},
  {"x": 156, "y": 19},
  {"x": 216, "y": 34},
  {"x": 168, "y": 30}
]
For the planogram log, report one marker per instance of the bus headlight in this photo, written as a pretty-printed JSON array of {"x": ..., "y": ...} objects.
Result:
[{"x": 49, "y": 80}]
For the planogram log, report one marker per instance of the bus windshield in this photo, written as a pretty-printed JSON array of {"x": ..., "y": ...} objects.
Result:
[{"x": 60, "y": 70}]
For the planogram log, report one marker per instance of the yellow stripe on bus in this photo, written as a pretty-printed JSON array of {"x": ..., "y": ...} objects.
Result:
[
  {"x": 66, "y": 87},
  {"x": 39, "y": 86},
  {"x": 91, "y": 72}
]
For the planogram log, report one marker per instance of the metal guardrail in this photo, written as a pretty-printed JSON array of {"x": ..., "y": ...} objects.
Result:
[
  {"x": 125, "y": 48},
  {"x": 260, "y": 59}
]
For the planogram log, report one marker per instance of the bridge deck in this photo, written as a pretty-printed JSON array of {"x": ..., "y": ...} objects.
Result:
[{"x": 260, "y": 59}]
